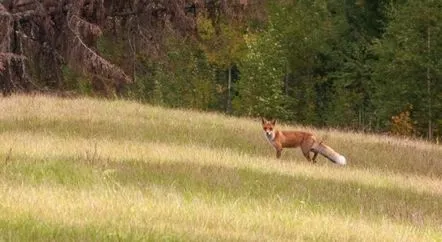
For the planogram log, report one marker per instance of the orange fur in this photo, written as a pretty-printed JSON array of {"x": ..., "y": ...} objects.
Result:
[{"x": 305, "y": 140}]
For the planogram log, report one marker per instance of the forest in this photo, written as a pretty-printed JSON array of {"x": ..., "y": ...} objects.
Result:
[{"x": 370, "y": 66}]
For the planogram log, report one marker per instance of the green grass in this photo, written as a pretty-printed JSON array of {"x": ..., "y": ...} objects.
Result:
[{"x": 88, "y": 170}]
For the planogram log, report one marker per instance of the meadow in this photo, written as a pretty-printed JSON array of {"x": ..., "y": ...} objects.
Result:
[{"x": 84, "y": 169}]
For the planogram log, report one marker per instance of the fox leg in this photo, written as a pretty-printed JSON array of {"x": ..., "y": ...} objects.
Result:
[
  {"x": 314, "y": 156},
  {"x": 306, "y": 152},
  {"x": 307, "y": 155},
  {"x": 278, "y": 149},
  {"x": 278, "y": 153}
]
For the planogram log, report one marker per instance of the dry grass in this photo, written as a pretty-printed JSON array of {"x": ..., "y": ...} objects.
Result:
[
  {"x": 86, "y": 169},
  {"x": 131, "y": 212}
]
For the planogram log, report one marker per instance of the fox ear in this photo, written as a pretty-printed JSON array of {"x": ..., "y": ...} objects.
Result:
[
  {"x": 263, "y": 120},
  {"x": 273, "y": 121}
]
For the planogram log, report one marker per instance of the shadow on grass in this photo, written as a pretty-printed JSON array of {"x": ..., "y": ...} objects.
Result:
[
  {"x": 420, "y": 163},
  {"x": 57, "y": 170},
  {"x": 220, "y": 182},
  {"x": 27, "y": 228},
  {"x": 219, "y": 137}
]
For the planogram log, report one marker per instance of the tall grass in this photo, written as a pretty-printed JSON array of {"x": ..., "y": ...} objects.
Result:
[{"x": 85, "y": 169}]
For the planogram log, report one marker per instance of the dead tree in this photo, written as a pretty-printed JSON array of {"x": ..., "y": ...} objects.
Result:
[{"x": 40, "y": 37}]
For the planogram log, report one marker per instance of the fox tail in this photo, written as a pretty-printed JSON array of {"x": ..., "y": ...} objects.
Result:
[{"x": 328, "y": 152}]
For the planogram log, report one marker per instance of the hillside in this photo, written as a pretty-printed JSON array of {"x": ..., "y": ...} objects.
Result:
[{"x": 86, "y": 169}]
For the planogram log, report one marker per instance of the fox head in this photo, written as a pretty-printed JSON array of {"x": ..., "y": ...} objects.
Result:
[{"x": 269, "y": 128}]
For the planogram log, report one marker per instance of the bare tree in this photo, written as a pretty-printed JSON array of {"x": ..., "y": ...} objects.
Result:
[{"x": 39, "y": 37}]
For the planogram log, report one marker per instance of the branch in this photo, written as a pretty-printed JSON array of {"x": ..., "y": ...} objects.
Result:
[
  {"x": 7, "y": 57},
  {"x": 91, "y": 61},
  {"x": 92, "y": 28},
  {"x": 24, "y": 14},
  {"x": 21, "y": 4},
  {"x": 2, "y": 8},
  {"x": 4, "y": 11}
]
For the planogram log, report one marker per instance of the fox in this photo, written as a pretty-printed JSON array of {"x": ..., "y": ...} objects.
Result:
[{"x": 305, "y": 140}]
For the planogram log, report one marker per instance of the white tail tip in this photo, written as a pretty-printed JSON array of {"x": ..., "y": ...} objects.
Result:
[{"x": 341, "y": 160}]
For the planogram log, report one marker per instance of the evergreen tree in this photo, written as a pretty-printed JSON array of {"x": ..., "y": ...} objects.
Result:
[{"x": 408, "y": 73}]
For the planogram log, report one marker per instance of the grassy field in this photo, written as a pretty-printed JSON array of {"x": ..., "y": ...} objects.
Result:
[{"x": 88, "y": 170}]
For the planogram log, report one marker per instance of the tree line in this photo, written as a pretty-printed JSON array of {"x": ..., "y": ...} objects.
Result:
[{"x": 372, "y": 66}]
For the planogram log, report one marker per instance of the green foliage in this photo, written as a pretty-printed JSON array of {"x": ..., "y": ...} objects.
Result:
[
  {"x": 288, "y": 50},
  {"x": 352, "y": 64},
  {"x": 408, "y": 69},
  {"x": 186, "y": 79},
  {"x": 74, "y": 81},
  {"x": 261, "y": 84},
  {"x": 144, "y": 86},
  {"x": 112, "y": 47},
  {"x": 223, "y": 42}
]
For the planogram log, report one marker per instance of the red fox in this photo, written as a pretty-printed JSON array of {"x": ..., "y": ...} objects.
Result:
[{"x": 307, "y": 142}]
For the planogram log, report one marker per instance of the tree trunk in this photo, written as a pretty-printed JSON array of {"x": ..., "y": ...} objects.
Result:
[
  {"x": 286, "y": 80},
  {"x": 229, "y": 94},
  {"x": 430, "y": 125}
]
